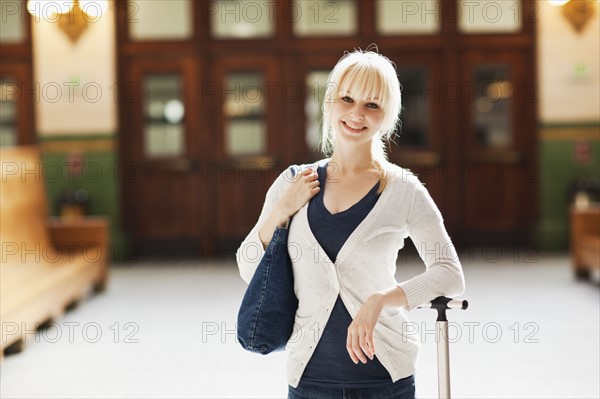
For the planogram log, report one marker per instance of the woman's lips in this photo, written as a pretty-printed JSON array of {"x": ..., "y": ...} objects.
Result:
[{"x": 354, "y": 129}]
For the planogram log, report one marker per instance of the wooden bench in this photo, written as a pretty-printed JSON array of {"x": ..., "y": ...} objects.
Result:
[
  {"x": 46, "y": 264},
  {"x": 585, "y": 240}
]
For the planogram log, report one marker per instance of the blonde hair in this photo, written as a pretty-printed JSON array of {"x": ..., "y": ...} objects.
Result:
[{"x": 368, "y": 75}]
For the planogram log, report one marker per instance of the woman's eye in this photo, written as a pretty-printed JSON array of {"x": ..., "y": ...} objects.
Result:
[
  {"x": 373, "y": 105},
  {"x": 347, "y": 99}
]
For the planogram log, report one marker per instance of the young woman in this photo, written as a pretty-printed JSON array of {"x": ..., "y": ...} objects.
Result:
[{"x": 352, "y": 212}]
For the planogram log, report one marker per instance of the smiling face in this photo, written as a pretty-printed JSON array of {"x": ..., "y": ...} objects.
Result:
[
  {"x": 356, "y": 119},
  {"x": 362, "y": 101}
]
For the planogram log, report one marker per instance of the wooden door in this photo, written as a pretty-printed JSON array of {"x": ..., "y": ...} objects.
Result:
[
  {"x": 246, "y": 109},
  {"x": 162, "y": 152},
  {"x": 18, "y": 91},
  {"x": 499, "y": 169},
  {"x": 17, "y": 96}
]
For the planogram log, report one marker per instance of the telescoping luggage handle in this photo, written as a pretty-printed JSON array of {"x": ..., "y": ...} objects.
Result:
[{"x": 441, "y": 304}]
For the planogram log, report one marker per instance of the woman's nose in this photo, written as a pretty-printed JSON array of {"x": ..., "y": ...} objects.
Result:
[{"x": 356, "y": 113}]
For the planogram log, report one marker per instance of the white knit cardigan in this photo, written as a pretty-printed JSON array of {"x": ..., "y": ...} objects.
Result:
[{"x": 365, "y": 264}]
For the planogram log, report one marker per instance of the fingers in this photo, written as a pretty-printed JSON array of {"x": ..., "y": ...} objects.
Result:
[
  {"x": 358, "y": 344},
  {"x": 369, "y": 346},
  {"x": 351, "y": 343},
  {"x": 311, "y": 178},
  {"x": 307, "y": 171}
]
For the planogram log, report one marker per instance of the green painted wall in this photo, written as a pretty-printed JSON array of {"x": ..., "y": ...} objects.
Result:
[
  {"x": 98, "y": 178},
  {"x": 558, "y": 172}
]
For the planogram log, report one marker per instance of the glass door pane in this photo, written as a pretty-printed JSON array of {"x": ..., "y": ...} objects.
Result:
[
  {"x": 313, "y": 107},
  {"x": 164, "y": 111},
  {"x": 408, "y": 17},
  {"x": 489, "y": 16},
  {"x": 244, "y": 111},
  {"x": 160, "y": 19},
  {"x": 244, "y": 19},
  {"x": 8, "y": 112},
  {"x": 414, "y": 126},
  {"x": 12, "y": 25},
  {"x": 325, "y": 17},
  {"x": 492, "y": 105}
]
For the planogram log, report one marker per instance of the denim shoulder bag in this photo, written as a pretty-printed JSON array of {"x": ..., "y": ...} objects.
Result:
[{"x": 265, "y": 320}]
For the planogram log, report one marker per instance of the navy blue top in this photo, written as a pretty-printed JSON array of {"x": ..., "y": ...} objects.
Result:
[{"x": 331, "y": 364}]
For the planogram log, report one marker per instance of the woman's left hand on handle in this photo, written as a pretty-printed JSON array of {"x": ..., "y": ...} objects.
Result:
[{"x": 359, "y": 341}]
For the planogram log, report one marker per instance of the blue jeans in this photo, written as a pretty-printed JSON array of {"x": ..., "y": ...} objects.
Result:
[{"x": 401, "y": 389}]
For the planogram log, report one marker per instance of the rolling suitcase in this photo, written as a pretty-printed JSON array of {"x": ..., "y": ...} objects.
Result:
[{"x": 441, "y": 304}]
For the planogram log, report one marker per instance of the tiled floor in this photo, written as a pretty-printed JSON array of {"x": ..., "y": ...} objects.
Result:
[{"x": 168, "y": 330}]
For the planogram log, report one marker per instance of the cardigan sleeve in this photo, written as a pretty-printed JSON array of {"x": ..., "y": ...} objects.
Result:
[
  {"x": 443, "y": 274},
  {"x": 251, "y": 250}
]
